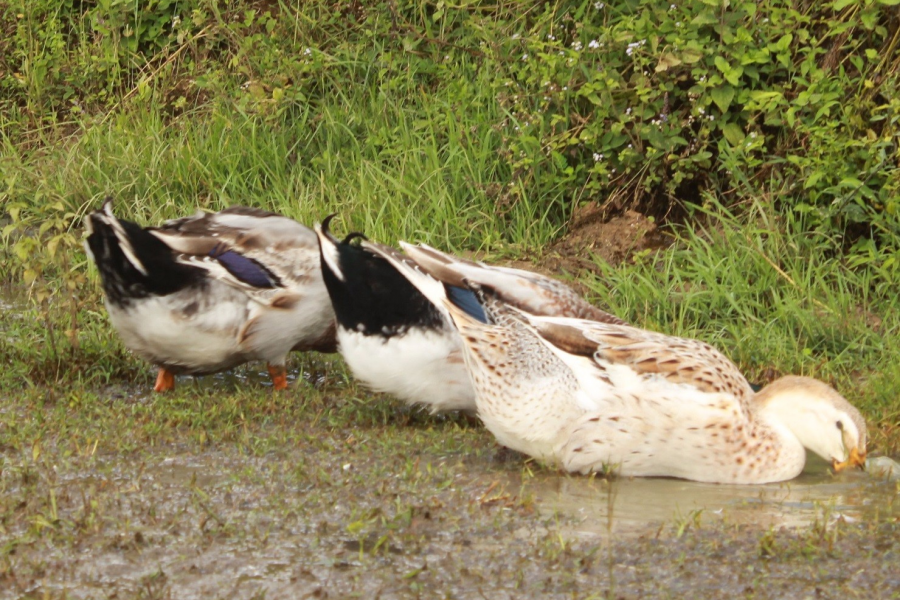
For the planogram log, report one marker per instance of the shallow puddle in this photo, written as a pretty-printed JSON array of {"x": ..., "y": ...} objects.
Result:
[
  {"x": 631, "y": 506},
  {"x": 311, "y": 371}
]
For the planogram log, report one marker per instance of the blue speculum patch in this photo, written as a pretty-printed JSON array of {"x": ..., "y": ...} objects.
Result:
[{"x": 245, "y": 269}]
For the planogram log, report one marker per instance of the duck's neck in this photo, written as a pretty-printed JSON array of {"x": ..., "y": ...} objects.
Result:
[
  {"x": 543, "y": 387},
  {"x": 784, "y": 423}
]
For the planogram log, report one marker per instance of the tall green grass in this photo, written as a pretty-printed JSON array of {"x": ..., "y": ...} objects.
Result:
[{"x": 391, "y": 171}]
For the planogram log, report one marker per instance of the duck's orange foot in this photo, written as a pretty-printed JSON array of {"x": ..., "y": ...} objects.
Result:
[
  {"x": 279, "y": 376},
  {"x": 165, "y": 380}
]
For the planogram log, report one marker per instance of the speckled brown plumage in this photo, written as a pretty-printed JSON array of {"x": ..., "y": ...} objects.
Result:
[{"x": 591, "y": 396}]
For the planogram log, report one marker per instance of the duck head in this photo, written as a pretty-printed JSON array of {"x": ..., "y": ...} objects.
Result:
[{"x": 821, "y": 419}]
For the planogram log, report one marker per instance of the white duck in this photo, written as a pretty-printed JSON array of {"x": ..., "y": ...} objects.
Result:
[
  {"x": 592, "y": 396},
  {"x": 211, "y": 291}
]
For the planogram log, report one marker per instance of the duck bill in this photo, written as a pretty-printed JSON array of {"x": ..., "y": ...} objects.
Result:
[{"x": 855, "y": 459}]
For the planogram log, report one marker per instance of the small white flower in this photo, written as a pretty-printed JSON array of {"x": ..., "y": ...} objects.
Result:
[
  {"x": 593, "y": 44},
  {"x": 597, "y": 157},
  {"x": 550, "y": 37},
  {"x": 307, "y": 51},
  {"x": 634, "y": 45},
  {"x": 577, "y": 46},
  {"x": 525, "y": 56},
  {"x": 628, "y": 111},
  {"x": 515, "y": 36},
  {"x": 565, "y": 88},
  {"x": 672, "y": 7},
  {"x": 599, "y": 5}
]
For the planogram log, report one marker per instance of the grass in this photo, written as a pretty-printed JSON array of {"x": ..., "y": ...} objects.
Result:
[{"x": 393, "y": 171}]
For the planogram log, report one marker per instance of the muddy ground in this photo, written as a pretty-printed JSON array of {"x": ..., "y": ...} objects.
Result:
[{"x": 329, "y": 492}]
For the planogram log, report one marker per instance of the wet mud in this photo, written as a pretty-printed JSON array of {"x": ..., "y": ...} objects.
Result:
[{"x": 375, "y": 517}]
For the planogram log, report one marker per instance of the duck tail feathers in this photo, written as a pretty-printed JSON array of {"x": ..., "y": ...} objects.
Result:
[
  {"x": 430, "y": 287},
  {"x": 106, "y": 233},
  {"x": 328, "y": 247},
  {"x": 437, "y": 282}
]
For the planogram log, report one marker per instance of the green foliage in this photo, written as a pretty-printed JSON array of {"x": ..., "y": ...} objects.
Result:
[
  {"x": 624, "y": 103},
  {"x": 70, "y": 57},
  {"x": 654, "y": 102}
]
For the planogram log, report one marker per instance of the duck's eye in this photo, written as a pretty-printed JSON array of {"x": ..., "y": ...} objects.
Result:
[{"x": 840, "y": 425}]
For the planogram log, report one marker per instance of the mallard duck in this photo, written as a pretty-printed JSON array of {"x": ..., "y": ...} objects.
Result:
[
  {"x": 390, "y": 335},
  {"x": 591, "y": 396},
  {"x": 208, "y": 292},
  {"x": 396, "y": 341}
]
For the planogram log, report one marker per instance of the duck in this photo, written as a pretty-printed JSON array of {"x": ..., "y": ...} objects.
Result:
[
  {"x": 395, "y": 340},
  {"x": 529, "y": 291},
  {"x": 207, "y": 292},
  {"x": 593, "y": 397}
]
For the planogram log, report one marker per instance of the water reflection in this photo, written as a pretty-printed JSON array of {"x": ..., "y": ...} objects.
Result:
[{"x": 636, "y": 505}]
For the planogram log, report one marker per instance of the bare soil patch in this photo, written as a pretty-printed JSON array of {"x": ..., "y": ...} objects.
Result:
[{"x": 593, "y": 234}]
